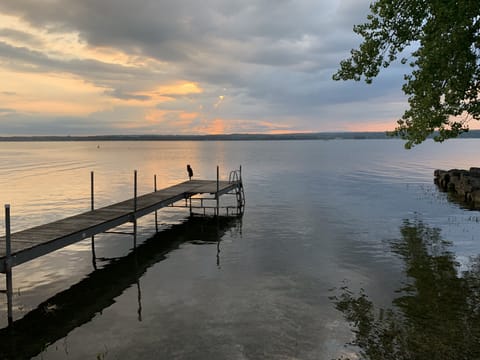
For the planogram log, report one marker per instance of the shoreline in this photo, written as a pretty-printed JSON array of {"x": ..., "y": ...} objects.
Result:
[{"x": 338, "y": 135}]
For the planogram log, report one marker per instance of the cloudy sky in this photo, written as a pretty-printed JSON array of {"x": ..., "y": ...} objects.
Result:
[{"x": 85, "y": 67}]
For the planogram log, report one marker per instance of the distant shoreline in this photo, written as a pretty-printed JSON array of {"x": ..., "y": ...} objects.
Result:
[{"x": 222, "y": 137}]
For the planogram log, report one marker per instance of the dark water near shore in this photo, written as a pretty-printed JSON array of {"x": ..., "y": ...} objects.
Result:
[{"x": 335, "y": 233}]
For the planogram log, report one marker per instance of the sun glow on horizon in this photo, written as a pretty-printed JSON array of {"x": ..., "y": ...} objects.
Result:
[{"x": 373, "y": 126}]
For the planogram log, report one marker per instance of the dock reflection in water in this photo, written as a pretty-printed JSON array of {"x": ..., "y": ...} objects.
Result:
[
  {"x": 57, "y": 316},
  {"x": 437, "y": 312}
]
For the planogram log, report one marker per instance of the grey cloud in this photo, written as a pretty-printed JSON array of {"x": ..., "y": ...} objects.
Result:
[
  {"x": 275, "y": 56},
  {"x": 23, "y": 124},
  {"x": 4, "y": 112},
  {"x": 102, "y": 74},
  {"x": 179, "y": 30},
  {"x": 119, "y": 94},
  {"x": 19, "y": 36}
]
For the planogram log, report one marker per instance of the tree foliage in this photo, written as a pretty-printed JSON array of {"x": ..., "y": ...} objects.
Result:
[{"x": 440, "y": 41}]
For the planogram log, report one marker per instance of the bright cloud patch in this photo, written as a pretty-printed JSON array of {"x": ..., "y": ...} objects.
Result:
[{"x": 50, "y": 94}]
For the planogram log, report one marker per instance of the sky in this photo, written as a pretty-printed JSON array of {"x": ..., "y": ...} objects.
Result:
[{"x": 99, "y": 67}]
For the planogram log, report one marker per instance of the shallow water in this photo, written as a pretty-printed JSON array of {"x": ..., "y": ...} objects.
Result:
[{"x": 324, "y": 219}]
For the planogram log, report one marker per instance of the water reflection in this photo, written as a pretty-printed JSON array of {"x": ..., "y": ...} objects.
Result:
[
  {"x": 69, "y": 309},
  {"x": 437, "y": 312}
]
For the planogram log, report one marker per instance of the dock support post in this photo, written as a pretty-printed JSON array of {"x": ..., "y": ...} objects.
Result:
[
  {"x": 92, "y": 207},
  {"x": 135, "y": 191},
  {"x": 156, "y": 212},
  {"x": 8, "y": 265},
  {"x": 218, "y": 189},
  {"x": 91, "y": 191},
  {"x": 135, "y": 209}
]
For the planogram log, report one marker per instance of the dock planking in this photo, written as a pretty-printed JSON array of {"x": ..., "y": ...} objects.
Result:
[{"x": 31, "y": 243}]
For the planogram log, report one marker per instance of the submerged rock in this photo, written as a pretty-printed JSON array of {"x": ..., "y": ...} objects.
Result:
[{"x": 464, "y": 184}]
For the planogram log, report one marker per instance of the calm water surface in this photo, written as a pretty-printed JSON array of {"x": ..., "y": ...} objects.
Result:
[{"x": 341, "y": 241}]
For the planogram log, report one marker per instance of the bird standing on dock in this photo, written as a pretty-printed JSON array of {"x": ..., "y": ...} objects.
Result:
[{"x": 190, "y": 172}]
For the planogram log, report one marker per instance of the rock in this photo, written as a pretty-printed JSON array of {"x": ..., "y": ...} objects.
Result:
[
  {"x": 439, "y": 173},
  {"x": 442, "y": 178},
  {"x": 475, "y": 198},
  {"x": 475, "y": 171},
  {"x": 465, "y": 184},
  {"x": 475, "y": 182}
]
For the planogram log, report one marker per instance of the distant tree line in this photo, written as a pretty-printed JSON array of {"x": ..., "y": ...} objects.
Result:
[{"x": 224, "y": 137}]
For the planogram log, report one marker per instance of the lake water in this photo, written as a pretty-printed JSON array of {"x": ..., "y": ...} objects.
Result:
[{"x": 341, "y": 241}]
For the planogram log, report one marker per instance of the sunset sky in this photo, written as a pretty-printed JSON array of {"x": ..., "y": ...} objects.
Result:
[{"x": 86, "y": 67}]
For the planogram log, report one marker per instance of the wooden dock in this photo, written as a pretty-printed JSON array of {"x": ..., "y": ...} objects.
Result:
[{"x": 29, "y": 244}]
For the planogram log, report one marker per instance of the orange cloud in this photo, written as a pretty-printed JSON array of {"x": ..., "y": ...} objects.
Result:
[
  {"x": 178, "y": 120},
  {"x": 155, "y": 116},
  {"x": 186, "y": 119},
  {"x": 48, "y": 93},
  {"x": 161, "y": 94},
  {"x": 179, "y": 88},
  {"x": 215, "y": 127},
  {"x": 150, "y": 99},
  {"x": 189, "y": 116},
  {"x": 228, "y": 126}
]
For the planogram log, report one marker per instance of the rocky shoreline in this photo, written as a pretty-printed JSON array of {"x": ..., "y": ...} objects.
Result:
[{"x": 464, "y": 184}]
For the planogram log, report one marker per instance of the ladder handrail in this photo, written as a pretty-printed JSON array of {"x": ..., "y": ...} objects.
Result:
[{"x": 234, "y": 176}]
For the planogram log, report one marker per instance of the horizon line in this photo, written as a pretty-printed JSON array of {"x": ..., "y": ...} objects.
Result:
[{"x": 326, "y": 135}]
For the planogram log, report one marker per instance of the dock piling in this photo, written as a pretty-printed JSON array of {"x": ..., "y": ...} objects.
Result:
[
  {"x": 135, "y": 190},
  {"x": 218, "y": 189},
  {"x": 92, "y": 207},
  {"x": 91, "y": 191},
  {"x": 135, "y": 209},
  {"x": 8, "y": 265},
  {"x": 156, "y": 212}
]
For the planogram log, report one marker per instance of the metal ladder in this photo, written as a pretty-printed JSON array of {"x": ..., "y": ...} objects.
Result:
[{"x": 236, "y": 177}]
